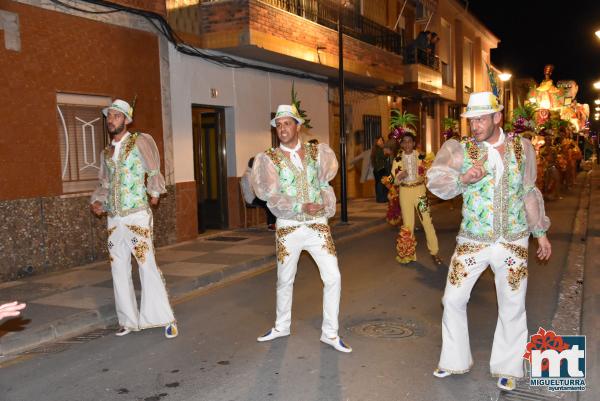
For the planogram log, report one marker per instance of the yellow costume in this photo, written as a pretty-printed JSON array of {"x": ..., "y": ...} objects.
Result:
[{"x": 413, "y": 197}]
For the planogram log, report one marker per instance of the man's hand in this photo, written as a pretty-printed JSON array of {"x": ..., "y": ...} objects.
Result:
[
  {"x": 475, "y": 173},
  {"x": 401, "y": 175},
  {"x": 312, "y": 208},
  {"x": 97, "y": 208},
  {"x": 154, "y": 201},
  {"x": 544, "y": 248},
  {"x": 472, "y": 175},
  {"x": 11, "y": 309}
]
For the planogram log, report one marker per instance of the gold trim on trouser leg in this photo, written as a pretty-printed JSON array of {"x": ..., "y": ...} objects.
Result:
[
  {"x": 510, "y": 337},
  {"x": 411, "y": 202},
  {"x": 155, "y": 308},
  {"x": 120, "y": 257}
]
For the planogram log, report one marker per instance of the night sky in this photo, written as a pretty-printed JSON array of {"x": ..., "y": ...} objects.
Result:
[{"x": 534, "y": 33}]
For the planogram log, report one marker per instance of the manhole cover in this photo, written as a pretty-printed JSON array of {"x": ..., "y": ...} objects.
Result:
[
  {"x": 385, "y": 329},
  {"x": 227, "y": 239}
]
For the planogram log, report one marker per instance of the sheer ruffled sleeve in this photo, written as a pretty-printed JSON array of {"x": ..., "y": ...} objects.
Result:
[
  {"x": 265, "y": 182},
  {"x": 101, "y": 192},
  {"x": 396, "y": 168},
  {"x": 328, "y": 166},
  {"x": 151, "y": 160},
  {"x": 537, "y": 220},
  {"x": 443, "y": 177}
]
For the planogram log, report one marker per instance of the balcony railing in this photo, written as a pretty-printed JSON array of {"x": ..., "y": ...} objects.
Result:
[
  {"x": 415, "y": 55},
  {"x": 325, "y": 12}
]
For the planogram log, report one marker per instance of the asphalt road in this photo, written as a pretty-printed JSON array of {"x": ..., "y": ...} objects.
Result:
[{"x": 216, "y": 357}]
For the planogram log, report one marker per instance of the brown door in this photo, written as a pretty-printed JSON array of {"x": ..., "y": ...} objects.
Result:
[{"x": 210, "y": 166}]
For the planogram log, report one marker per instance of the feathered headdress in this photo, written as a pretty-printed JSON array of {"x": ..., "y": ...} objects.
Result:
[
  {"x": 296, "y": 104},
  {"x": 402, "y": 124},
  {"x": 493, "y": 82}
]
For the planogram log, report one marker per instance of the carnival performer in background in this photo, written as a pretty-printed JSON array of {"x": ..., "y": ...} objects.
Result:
[
  {"x": 294, "y": 181},
  {"x": 496, "y": 174},
  {"x": 408, "y": 173},
  {"x": 129, "y": 172}
]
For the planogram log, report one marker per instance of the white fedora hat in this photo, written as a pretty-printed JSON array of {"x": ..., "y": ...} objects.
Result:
[
  {"x": 286, "y": 110},
  {"x": 482, "y": 103},
  {"x": 121, "y": 106}
]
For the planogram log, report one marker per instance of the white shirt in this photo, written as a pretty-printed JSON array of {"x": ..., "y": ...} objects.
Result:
[
  {"x": 117, "y": 146},
  {"x": 410, "y": 166}
]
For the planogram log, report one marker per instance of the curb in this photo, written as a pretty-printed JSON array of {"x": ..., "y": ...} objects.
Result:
[
  {"x": 567, "y": 318},
  {"x": 105, "y": 315}
]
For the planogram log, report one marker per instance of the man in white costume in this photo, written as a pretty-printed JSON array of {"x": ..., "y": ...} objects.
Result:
[
  {"x": 495, "y": 173},
  {"x": 294, "y": 181},
  {"x": 123, "y": 194}
]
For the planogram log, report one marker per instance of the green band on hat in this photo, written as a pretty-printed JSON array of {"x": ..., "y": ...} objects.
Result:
[{"x": 476, "y": 108}]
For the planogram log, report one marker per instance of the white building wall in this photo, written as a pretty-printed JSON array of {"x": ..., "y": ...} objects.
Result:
[{"x": 249, "y": 96}]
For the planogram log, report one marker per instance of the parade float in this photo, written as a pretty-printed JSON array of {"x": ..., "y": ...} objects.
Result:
[{"x": 557, "y": 125}]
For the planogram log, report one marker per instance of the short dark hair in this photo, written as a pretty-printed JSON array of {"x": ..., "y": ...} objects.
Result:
[{"x": 410, "y": 135}]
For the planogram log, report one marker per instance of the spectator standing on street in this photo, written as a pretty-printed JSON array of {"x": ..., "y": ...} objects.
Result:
[
  {"x": 250, "y": 197},
  {"x": 294, "y": 181},
  {"x": 363, "y": 158},
  {"x": 379, "y": 163},
  {"x": 125, "y": 164},
  {"x": 496, "y": 175}
]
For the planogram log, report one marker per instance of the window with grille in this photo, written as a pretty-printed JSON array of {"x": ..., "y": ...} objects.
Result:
[
  {"x": 372, "y": 130},
  {"x": 82, "y": 136}
]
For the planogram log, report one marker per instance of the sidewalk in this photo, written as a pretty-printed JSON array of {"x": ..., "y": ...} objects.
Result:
[{"x": 64, "y": 304}]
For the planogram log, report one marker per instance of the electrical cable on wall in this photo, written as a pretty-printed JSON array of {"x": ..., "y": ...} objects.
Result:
[{"x": 163, "y": 27}]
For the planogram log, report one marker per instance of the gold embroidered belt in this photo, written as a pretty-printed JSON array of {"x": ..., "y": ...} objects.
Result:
[{"x": 412, "y": 184}]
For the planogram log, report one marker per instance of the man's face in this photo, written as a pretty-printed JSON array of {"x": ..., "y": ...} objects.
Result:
[
  {"x": 115, "y": 122},
  {"x": 379, "y": 142},
  {"x": 287, "y": 130},
  {"x": 407, "y": 144},
  {"x": 482, "y": 127}
]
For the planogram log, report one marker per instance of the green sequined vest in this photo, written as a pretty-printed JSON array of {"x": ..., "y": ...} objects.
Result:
[
  {"x": 304, "y": 184},
  {"x": 489, "y": 211},
  {"x": 127, "y": 187}
]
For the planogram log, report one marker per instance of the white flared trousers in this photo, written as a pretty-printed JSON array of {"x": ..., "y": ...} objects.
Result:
[
  {"x": 292, "y": 238},
  {"x": 508, "y": 261},
  {"x": 133, "y": 234}
]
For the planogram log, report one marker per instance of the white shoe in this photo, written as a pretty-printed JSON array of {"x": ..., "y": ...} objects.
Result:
[
  {"x": 441, "y": 373},
  {"x": 507, "y": 383},
  {"x": 272, "y": 334},
  {"x": 336, "y": 343},
  {"x": 123, "y": 331},
  {"x": 171, "y": 330}
]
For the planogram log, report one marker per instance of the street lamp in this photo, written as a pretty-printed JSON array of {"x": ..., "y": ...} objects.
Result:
[
  {"x": 504, "y": 77},
  {"x": 597, "y": 84},
  {"x": 598, "y": 33},
  {"x": 343, "y": 189},
  {"x": 597, "y": 101}
]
